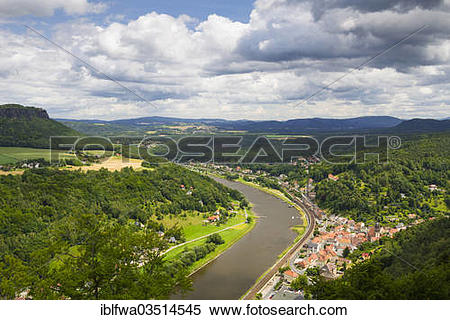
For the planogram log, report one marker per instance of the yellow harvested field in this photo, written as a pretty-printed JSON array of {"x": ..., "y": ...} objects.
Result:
[
  {"x": 112, "y": 164},
  {"x": 15, "y": 172}
]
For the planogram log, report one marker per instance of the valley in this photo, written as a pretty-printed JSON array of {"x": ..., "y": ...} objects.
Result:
[{"x": 217, "y": 231}]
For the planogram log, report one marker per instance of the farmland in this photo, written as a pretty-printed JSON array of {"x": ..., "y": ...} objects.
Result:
[{"x": 15, "y": 154}]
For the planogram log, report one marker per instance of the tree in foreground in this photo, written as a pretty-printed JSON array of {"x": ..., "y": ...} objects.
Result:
[
  {"x": 92, "y": 257},
  {"x": 299, "y": 283}
]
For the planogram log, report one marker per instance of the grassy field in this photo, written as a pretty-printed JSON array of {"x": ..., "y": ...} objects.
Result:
[
  {"x": 231, "y": 236},
  {"x": 194, "y": 227},
  {"x": 12, "y": 154}
]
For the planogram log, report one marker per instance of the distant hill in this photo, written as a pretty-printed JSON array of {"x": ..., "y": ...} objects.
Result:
[
  {"x": 324, "y": 125},
  {"x": 422, "y": 125},
  {"x": 371, "y": 124},
  {"x": 29, "y": 127},
  {"x": 165, "y": 120},
  {"x": 141, "y": 125},
  {"x": 295, "y": 125}
]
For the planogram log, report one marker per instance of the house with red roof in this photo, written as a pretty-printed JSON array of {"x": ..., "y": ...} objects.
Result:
[
  {"x": 214, "y": 218},
  {"x": 290, "y": 275},
  {"x": 332, "y": 177},
  {"x": 312, "y": 259},
  {"x": 302, "y": 264}
]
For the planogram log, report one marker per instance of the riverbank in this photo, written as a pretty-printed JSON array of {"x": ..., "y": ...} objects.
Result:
[
  {"x": 230, "y": 235},
  {"x": 278, "y": 194},
  {"x": 302, "y": 230},
  {"x": 273, "y": 192},
  {"x": 230, "y": 240},
  {"x": 234, "y": 270},
  {"x": 299, "y": 229},
  {"x": 284, "y": 260}
]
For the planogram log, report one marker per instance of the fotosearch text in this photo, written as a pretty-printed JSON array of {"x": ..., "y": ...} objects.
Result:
[{"x": 234, "y": 149}]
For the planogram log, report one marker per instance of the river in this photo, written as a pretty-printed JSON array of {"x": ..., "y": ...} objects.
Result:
[{"x": 236, "y": 270}]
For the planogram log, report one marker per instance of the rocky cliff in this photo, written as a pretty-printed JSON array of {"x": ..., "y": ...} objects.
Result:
[{"x": 15, "y": 111}]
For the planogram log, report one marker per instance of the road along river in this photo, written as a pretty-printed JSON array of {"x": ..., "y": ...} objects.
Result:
[{"x": 237, "y": 269}]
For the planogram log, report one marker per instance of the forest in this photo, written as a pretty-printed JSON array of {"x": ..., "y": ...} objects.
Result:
[
  {"x": 415, "y": 181},
  {"x": 68, "y": 234}
]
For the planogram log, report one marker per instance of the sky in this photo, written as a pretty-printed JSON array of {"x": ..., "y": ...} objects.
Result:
[{"x": 233, "y": 59}]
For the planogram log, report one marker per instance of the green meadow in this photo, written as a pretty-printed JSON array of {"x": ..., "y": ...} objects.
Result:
[
  {"x": 231, "y": 236},
  {"x": 15, "y": 154},
  {"x": 194, "y": 226}
]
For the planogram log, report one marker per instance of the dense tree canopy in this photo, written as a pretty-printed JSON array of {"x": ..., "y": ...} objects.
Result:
[
  {"x": 34, "y": 133},
  {"x": 373, "y": 191},
  {"x": 93, "y": 235}
]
